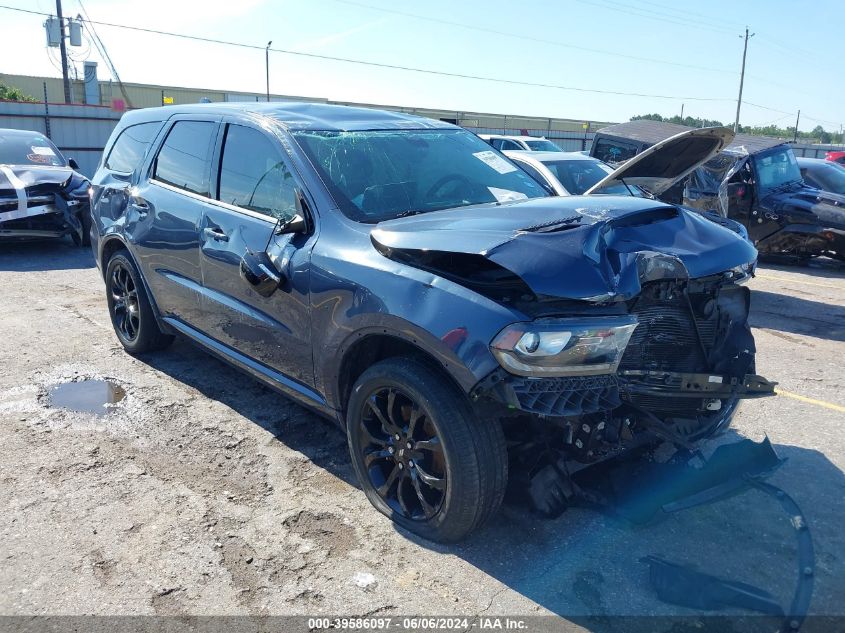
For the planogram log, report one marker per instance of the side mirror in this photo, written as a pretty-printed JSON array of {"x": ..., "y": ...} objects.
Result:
[
  {"x": 260, "y": 273},
  {"x": 71, "y": 162},
  {"x": 294, "y": 224}
]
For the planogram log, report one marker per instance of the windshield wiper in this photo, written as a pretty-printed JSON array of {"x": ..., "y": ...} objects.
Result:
[{"x": 405, "y": 214}]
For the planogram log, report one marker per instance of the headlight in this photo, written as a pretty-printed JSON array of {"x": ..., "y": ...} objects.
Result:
[
  {"x": 741, "y": 274},
  {"x": 564, "y": 347}
]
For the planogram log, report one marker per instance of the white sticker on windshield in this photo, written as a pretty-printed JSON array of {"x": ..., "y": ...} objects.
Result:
[
  {"x": 43, "y": 151},
  {"x": 495, "y": 161},
  {"x": 506, "y": 195}
]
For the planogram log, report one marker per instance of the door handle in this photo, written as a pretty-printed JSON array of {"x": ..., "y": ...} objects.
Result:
[{"x": 215, "y": 234}]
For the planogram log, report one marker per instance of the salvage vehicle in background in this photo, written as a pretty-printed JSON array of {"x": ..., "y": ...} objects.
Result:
[
  {"x": 401, "y": 277},
  {"x": 504, "y": 142},
  {"x": 757, "y": 182},
  {"x": 651, "y": 173},
  {"x": 42, "y": 195},
  {"x": 836, "y": 157},
  {"x": 822, "y": 174}
]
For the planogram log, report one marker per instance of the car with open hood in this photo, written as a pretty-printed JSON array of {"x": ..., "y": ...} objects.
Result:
[
  {"x": 652, "y": 173},
  {"x": 42, "y": 195},
  {"x": 399, "y": 276},
  {"x": 754, "y": 180}
]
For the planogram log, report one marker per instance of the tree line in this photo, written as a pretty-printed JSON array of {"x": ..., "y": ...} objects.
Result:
[{"x": 817, "y": 135}]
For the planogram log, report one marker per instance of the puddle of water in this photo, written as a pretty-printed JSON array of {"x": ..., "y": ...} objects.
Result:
[{"x": 87, "y": 396}]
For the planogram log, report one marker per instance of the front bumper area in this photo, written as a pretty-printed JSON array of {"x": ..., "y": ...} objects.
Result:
[{"x": 49, "y": 216}]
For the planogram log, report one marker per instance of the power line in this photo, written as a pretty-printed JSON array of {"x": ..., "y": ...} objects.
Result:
[
  {"x": 528, "y": 38},
  {"x": 426, "y": 71},
  {"x": 687, "y": 12},
  {"x": 652, "y": 15}
]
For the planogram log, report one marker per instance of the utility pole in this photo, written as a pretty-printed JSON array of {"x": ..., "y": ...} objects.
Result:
[
  {"x": 798, "y": 118},
  {"x": 63, "y": 50},
  {"x": 267, "y": 67},
  {"x": 741, "y": 79},
  {"x": 682, "y": 114}
]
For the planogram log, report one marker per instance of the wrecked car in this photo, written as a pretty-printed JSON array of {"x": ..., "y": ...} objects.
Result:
[
  {"x": 756, "y": 181},
  {"x": 42, "y": 195},
  {"x": 401, "y": 277},
  {"x": 651, "y": 173}
]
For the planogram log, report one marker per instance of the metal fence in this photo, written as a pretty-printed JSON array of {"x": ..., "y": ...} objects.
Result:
[{"x": 81, "y": 131}]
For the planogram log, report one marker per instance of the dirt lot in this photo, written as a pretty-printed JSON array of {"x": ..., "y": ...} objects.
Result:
[{"x": 202, "y": 492}]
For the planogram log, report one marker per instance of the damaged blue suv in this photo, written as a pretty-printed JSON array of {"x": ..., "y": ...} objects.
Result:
[{"x": 401, "y": 277}]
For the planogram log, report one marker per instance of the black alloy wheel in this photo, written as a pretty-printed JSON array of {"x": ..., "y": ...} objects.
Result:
[
  {"x": 403, "y": 454},
  {"x": 125, "y": 308},
  {"x": 421, "y": 453},
  {"x": 130, "y": 309}
]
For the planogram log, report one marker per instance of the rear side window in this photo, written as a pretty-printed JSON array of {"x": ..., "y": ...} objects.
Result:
[
  {"x": 185, "y": 156},
  {"x": 131, "y": 146},
  {"x": 613, "y": 151},
  {"x": 253, "y": 175}
]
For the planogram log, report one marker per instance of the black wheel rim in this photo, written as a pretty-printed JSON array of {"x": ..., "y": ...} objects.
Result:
[
  {"x": 402, "y": 454},
  {"x": 125, "y": 310}
]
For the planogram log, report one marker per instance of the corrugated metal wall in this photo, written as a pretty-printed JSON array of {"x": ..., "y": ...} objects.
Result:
[{"x": 81, "y": 131}]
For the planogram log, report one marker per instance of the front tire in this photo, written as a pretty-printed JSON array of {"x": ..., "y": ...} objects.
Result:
[
  {"x": 129, "y": 308},
  {"x": 420, "y": 453}
]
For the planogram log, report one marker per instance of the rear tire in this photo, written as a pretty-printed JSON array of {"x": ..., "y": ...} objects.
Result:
[
  {"x": 446, "y": 474},
  {"x": 129, "y": 308}
]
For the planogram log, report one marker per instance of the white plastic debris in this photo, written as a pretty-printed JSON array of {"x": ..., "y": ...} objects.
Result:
[{"x": 363, "y": 579}]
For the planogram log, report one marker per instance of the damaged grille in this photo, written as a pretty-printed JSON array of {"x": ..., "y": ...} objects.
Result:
[
  {"x": 666, "y": 339},
  {"x": 575, "y": 395}
]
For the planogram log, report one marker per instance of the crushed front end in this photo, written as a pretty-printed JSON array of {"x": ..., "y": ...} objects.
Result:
[
  {"x": 671, "y": 365},
  {"x": 42, "y": 202}
]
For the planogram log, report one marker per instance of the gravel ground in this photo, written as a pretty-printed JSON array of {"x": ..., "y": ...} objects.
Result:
[{"x": 202, "y": 492}]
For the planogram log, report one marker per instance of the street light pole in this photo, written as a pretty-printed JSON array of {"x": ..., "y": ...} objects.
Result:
[
  {"x": 267, "y": 67},
  {"x": 741, "y": 79},
  {"x": 795, "y": 136}
]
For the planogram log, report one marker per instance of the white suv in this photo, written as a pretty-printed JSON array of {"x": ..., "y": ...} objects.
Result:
[{"x": 520, "y": 143}]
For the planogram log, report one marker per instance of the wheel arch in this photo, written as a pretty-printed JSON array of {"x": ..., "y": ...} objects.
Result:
[
  {"x": 110, "y": 245},
  {"x": 367, "y": 347}
]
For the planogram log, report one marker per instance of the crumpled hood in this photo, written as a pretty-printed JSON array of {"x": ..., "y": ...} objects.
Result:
[
  {"x": 38, "y": 179},
  {"x": 808, "y": 205},
  {"x": 568, "y": 248}
]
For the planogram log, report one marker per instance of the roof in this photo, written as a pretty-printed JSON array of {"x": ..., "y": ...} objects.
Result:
[
  {"x": 300, "y": 115},
  {"x": 514, "y": 137},
  {"x": 545, "y": 157},
  {"x": 13, "y": 132},
  {"x": 652, "y": 132},
  {"x": 753, "y": 144}
]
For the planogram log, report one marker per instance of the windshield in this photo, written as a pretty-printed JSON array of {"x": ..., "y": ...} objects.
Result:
[
  {"x": 578, "y": 175},
  {"x": 830, "y": 176},
  {"x": 380, "y": 175},
  {"x": 542, "y": 146},
  {"x": 776, "y": 168},
  {"x": 29, "y": 149}
]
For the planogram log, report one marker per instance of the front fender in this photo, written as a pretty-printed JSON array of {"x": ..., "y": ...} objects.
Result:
[{"x": 441, "y": 318}]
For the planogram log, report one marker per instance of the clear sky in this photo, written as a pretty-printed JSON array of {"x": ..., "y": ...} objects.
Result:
[{"x": 678, "y": 49}]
